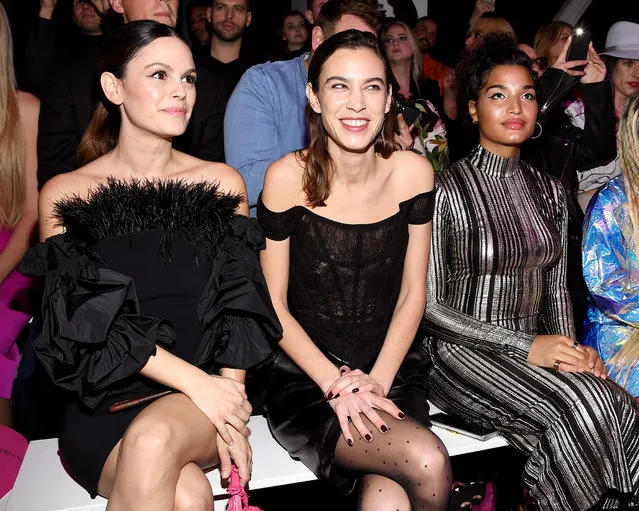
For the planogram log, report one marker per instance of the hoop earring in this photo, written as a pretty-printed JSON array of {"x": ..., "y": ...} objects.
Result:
[
  {"x": 475, "y": 121},
  {"x": 541, "y": 130}
]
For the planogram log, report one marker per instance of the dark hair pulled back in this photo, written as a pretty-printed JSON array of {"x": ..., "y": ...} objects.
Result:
[
  {"x": 471, "y": 74},
  {"x": 119, "y": 49},
  {"x": 318, "y": 164}
]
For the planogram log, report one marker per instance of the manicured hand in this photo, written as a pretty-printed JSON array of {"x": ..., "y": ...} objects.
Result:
[
  {"x": 353, "y": 382},
  {"x": 366, "y": 403},
  {"x": 546, "y": 349}
]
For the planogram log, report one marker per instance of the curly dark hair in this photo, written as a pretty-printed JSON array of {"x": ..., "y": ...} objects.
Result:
[{"x": 476, "y": 64}]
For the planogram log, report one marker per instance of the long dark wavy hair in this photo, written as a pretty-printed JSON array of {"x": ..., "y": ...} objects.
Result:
[
  {"x": 318, "y": 164},
  {"x": 120, "y": 48}
]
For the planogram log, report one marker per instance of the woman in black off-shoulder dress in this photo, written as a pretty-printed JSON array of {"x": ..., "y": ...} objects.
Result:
[
  {"x": 347, "y": 223},
  {"x": 151, "y": 283}
]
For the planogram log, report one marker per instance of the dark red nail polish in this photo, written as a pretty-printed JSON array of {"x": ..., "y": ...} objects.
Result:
[
  {"x": 384, "y": 428},
  {"x": 368, "y": 437},
  {"x": 401, "y": 415},
  {"x": 336, "y": 396},
  {"x": 350, "y": 442},
  {"x": 355, "y": 390},
  {"x": 330, "y": 395}
]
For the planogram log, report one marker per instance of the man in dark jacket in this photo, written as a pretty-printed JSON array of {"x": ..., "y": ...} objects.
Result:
[{"x": 70, "y": 98}]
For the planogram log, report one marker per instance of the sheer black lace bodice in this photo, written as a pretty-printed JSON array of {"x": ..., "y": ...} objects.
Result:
[{"x": 344, "y": 279}]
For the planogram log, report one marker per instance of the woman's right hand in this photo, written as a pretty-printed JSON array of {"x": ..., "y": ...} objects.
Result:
[
  {"x": 545, "y": 350},
  {"x": 223, "y": 401},
  {"x": 567, "y": 66},
  {"x": 350, "y": 406},
  {"x": 240, "y": 453}
]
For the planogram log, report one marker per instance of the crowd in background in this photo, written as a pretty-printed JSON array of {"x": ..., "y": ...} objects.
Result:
[{"x": 533, "y": 274}]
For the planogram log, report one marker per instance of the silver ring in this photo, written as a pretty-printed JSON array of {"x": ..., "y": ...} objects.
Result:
[
  {"x": 556, "y": 364},
  {"x": 575, "y": 344}
]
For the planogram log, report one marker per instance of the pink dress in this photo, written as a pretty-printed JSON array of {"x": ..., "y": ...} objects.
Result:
[{"x": 13, "y": 318}]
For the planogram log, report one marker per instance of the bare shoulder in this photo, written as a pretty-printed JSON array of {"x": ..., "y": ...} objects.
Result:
[
  {"x": 193, "y": 169},
  {"x": 70, "y": 184},
  {"x": 28, "y": 105},
  {"x": 411, "y": 173},
  {"x": 283, "y": 183}
]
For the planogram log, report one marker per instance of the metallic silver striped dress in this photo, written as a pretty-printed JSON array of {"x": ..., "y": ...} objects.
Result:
[{"x": 496, "y": 279}]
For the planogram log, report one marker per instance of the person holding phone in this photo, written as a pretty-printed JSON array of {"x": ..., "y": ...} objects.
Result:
[
  {"x": 347, "y": 223},
  {"x": 622, "y": 63},
  {"x": 498, "y": 320},
  {"x": 418, "y": 98}
]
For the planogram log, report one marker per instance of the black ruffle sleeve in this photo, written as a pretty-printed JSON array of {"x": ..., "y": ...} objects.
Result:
[
  {"x": 239, "y": 324},
  {"x": 93, "y": 334}
]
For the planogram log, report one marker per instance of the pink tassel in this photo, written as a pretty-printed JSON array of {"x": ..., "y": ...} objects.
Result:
[{"x": 239, "y": 499}]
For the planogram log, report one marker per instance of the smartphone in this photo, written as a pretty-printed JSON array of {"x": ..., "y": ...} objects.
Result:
[
  {"x": 409, "y": 112},
  {"x": 461, "y": 426},
  {"x": 578, "y": 49}
]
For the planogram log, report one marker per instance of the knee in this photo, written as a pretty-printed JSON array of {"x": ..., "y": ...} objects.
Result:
[
  {"x": 149, "y": 439},
  {"x": 428, "y": 463},
  {"x": 194, "y": 498}
]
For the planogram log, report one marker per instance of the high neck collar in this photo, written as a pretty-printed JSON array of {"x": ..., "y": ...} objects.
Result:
[{"x": 493, "y": 164}]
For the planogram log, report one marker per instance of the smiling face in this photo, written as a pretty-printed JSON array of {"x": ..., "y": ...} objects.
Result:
[
  {"x": 229, "y": 19},
  {"x": 162, "y": 11},
  {"x": 294, "y": 31},
  {"x": 397, "y": 44},
  {"x": 157, "y": 93},
  {"x": 625, "y": 77},
  {"x": 352, "y": 98},
  {"x": 506, "y": 109}
]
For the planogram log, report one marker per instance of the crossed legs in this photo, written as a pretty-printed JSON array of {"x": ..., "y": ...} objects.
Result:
[
  {"x": 158, "y": 463},
  {"x": 406, "y": 468}
]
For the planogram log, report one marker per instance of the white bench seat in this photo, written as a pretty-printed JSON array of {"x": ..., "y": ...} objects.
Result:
[{"x": 43, "y": 485}]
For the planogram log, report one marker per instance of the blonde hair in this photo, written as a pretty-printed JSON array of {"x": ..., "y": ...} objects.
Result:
[
  {"x": 417, "y": 65},
  {"x": 628, "y": 137},
  {"x": 547, "y": 36},
  {"x": 12, "y": 179}
]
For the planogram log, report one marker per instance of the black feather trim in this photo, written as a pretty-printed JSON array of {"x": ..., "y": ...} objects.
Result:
[{"x": 115, "y": 208}]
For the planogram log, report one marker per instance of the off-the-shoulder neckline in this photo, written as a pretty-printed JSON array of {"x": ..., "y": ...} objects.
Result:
[{"x": 343, "y": 224}]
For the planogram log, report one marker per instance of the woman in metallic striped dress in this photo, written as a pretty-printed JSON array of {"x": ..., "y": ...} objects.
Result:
[{"x": 499, "y": 321}]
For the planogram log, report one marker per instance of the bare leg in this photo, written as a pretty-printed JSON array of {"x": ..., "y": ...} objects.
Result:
[
  {"x": 193, "y": 491},
  {"x": 143, "y": 470},
  {"x": 409, "y": 455}
]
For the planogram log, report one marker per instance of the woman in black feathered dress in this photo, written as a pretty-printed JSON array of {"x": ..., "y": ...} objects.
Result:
[{"x": 151, "y": 284}]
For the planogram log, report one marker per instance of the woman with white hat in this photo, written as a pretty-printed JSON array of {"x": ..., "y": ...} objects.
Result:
[{"x": 622, "y": 61}]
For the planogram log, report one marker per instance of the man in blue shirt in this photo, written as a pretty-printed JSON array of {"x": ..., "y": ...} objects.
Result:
[{"x": 265, "y": 115}]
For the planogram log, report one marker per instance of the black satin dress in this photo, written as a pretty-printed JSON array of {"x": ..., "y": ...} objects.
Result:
[
  {"x": 344, "y": 282},
  {"x": 141, "y": 265}
]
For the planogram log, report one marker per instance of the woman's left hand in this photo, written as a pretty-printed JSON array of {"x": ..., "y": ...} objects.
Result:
[
  {"x": 352, "y": 382},
  {"x": 597, "y": 366}
]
